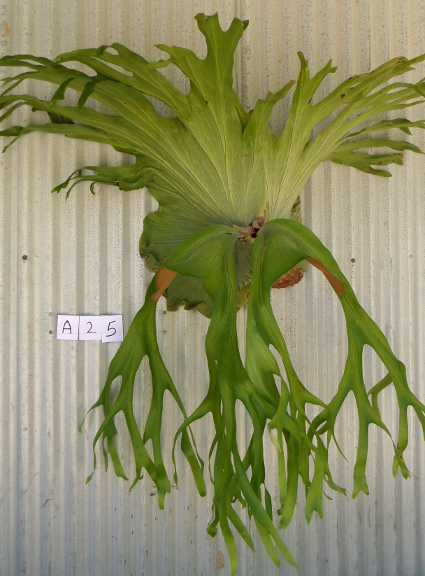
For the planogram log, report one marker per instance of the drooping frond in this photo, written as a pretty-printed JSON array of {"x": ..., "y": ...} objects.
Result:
[{"x": 215, "y": 169}]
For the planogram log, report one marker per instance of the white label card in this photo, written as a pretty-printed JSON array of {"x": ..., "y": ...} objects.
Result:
[
  {"x": 67, "y": 327},
  {"x": 91, "y": 327},
  {"x": 104, "y": 328},
  {"x": 112, "y": 329}
]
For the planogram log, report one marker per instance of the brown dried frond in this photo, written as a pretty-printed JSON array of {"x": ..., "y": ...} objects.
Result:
[{"x": 289, "y": 279}]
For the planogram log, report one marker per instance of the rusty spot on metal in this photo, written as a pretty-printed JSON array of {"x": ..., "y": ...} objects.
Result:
[
  {"x": 220, "y": 560},
  {"x": 7, "y": 30}
]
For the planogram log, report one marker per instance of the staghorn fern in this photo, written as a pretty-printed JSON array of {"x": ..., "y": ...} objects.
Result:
[{"x": 227, "y": 189}]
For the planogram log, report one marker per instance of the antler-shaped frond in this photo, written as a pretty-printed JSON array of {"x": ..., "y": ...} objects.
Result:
[
  {"x": 213, "y": 156},
  {"x": 353, "y": 103},
  {"x": 214, "y": 168}
]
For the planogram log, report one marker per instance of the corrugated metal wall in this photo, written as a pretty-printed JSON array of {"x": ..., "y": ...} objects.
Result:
[{"x": 81, "y": 256}]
